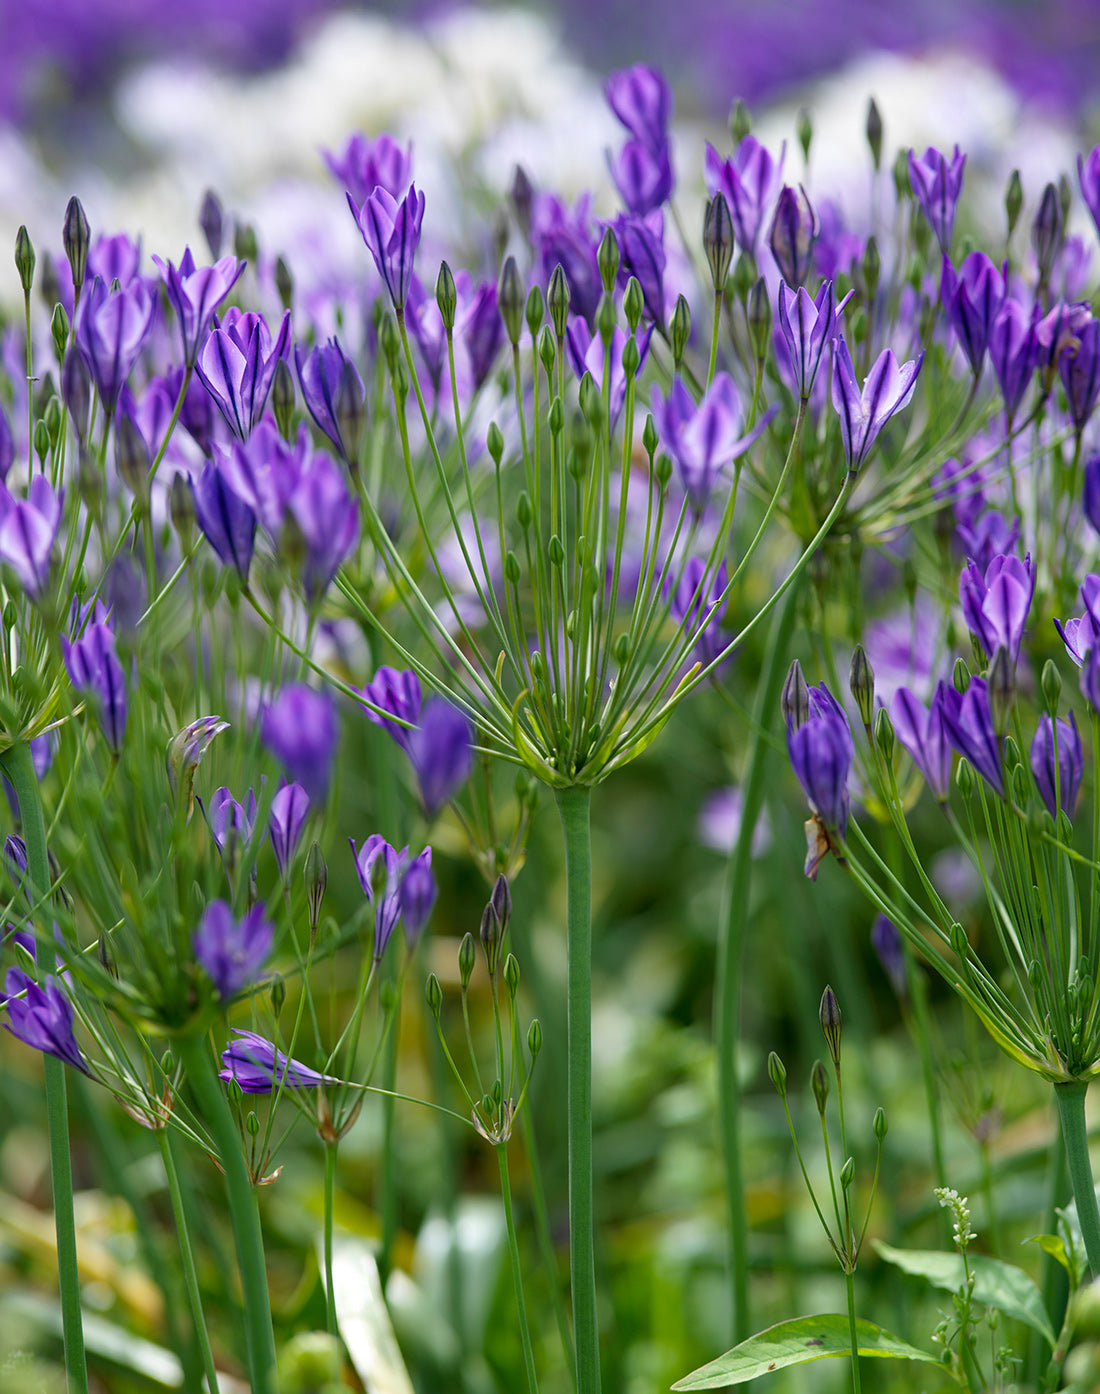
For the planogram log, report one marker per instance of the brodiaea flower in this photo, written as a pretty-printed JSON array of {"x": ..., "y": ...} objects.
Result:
[
  {"x": 391, "y": 231},
  {"x": 289, "y": 810},
  {"x": 1058, "y": 778},
  {"x": 334, "y": 394},
  {"x": 195, "y": 293},
  {"x": 864, "y": 412},
  {"x": 258, "y": 1067},
  {"x": 365, "y": 165},
  {"x": 807, "y": 326},
  {"x": 703, "y": 439},
  {"x": 936, "y": 183},
  {"x": 300, "y": 730},
  {"x": 237, "y": 366},
  {"x": 396, "y": 692},
  {"x": 42, "y": 1017},
  {"x": 748, "y": 181},
  {"x": 996, "y": 605},
  {"x": 28, "y": 530},
  {"x": 441, "y": 751},
  {"x": 94, "y": 670},
  {"x": 232, "y": 951},
  {"x": 110, "y": 328}
]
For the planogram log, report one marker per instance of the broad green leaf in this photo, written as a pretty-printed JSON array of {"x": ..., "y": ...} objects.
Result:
[
  {"x": 1052, "y": 1245},
  {"x": 996, "y": 1284},
  {"x": 793, "y": 1343},
  {"x": 364, "y": 1319}
]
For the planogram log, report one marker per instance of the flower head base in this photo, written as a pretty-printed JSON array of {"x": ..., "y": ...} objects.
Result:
[
  {"x": 865, "y": 411},
  {"x": 232, "y": 952},
  {"x": 259, "y": 1067}
]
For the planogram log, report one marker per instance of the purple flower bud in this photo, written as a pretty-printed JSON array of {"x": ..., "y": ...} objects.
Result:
[
  {"x": 641, "y": 99},
  {"x": 996, "y": 605},
  {"x": 110, "y": 328},
  {"x": 327, "y": 521},
  {"x": 793, "y": 233},
  {"x": 441, "y": 751},
  {"x": 396, "y": 692},
  {"x": 704, "y": 439},
  {"x": 748, "y": 181},
  {"x": 1013, "y": 349},
  {"x": 886, "y": 942},
  {"x": 921, "y": 731},
  {"x": 379, "y": 868},
  {"x": 259, "y": 1067},
  {"x": 228, "y": 524},
  {"x": 698, "y": 609},
  {"x": 821, "y": 752},
  {"x": 807, "y": 326},
  {"x": 289, "y": 810},
  {"x": 971, "y": 300},
  {"x": 42, "y": 1017},
  {"x": 227, "y": 819},
  {"x": 642, "y": 176},
  {"x": 864, "y": 412},
  {"x": 237, "y": 366},
  {"x": 195, "y": 293},
  {"x": 365, "y": 165},
  {"x": 94, "y": 670},
  {"x": 333, "y": 393},
  {"x": 232, "y": 952},
  {"x": 28, "y": 530},
  {"x": 417, "y": 894},
  {"x": 1058, "y": 778},
  {"x": 937, "y": 183},
  {"x": 391, "y": 231},
  {"x": 1079, "y": 367},
  {"x": 300, "y": 729},
  {"x": 968, "y": 722},
  {"x": 987, "y": 536},
  {"x": 1088, "y": 173},
  {"x": 1081, "y": 635}
]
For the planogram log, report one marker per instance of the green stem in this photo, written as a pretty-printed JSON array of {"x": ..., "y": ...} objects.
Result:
[
  {"x": 330, "y": 1195},
  {"x": 19, "y": 768},
  {"x": 1070, "y": 1098},
  {"x": 849, "y": 1282},
  {"x": 546, "y": 1243},
  {"x": 517, "y": 1271},
  {"x": 574, "y": 806},
  {"x": 389, "y": 1150},
  {"x": 190, "y": 1276},
  {"x": 242, "y": 1212},
  {"x": 727, "y": 1006}
]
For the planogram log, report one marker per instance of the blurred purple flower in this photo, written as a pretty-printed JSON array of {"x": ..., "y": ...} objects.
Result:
[
  {"x": 237, "y": 366},
  {"x": 391, "y": 230},
  {"x": 586, "y": 351},
  {"x": 7, "y": 444},
  {"x": 441, "y": 751},
  {"x": 259, "y": 1067},
  {"x": 195, "y": 293},
  {"x": 42, "y": 1017},
  {"x": 333, "y": 393},
  {"x": 227, "y": 523},
  {"x": 232, "y": 952},
  {"x": 642, "y": 176},
  {"x": 1079, "y": 368},
  {"x": 566, "y": 238},
  {"x": 1090, "y": 494},
  {"x": 301, "y": 731},
  {"x": 698, "y": 609},
  {"x": 416, "y": 895},
  {"x": 936, "y": 183},
  {"x": 642, "y": 100},
  {"x": 1081, "y": 635},
  {"x": 886, "y": 942},
  {"x": 864, "y": 412},
  {"x": 921, "y": 731},
  {"x": 1088, "y": 174},
  {"x": 94, "y": 670},
  {"x": 971, "y": 300},
  {"x": 969, "y": 725},
  {"x": 110, "y": 328},
  {"x": 365, "y": 165},
  {"x": 396, "y": 692},
  {"x": 748, "y": 181},
  {"x": 1013, "y": 349},
  {"x": 720, "y": 822},
  {"x": 985, "y": 537},
  {"x": 704, "y": 439},
  {"x": 1059, "y": 779},
  {"x": 28, "y": 530}
]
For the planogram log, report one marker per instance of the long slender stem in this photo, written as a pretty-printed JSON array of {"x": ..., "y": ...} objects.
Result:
[
  {"x": 242, "y": 1212},
  {"x": 19, "y": 768},
  {"x": 330, "y": 1196},
  {"x": 574, "y": 806},
  {"x": 727, "y": 1004},
  {"x": 187, "y": 1257},
  {"x": 517, "y": 1271},
  {"x": 1070, "y": 1098},
  {"x": 849, "y": 1281},
  {"x": 546, "y": 1244}
]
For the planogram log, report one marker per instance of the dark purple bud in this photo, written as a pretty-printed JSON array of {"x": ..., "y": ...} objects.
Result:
[
  {"x": 1046, "y": 232},
  {"x": 936, "y": 183},
  {"x": 921, "y": 731},
  {"x": 398, "y": 693},
  {"x": 441, "y": 753},
  {"x": 326, "y": 521},
  {"x": 289, "y": 810},
  {"x": 864, "y": 412},
  {"x": 15, "y": 854},
  {"x": 968, "y": 722},
  {"x": 259, "y": 1067},
  {"x": 642, "y": 255},
  {"x": 76, "y": 237},
  {"x": 365, "y": 165},
  {"x": 95, "y": 671},
  {"x": 334, "y": 395},
  {"x": 76, "y": 391},
  {"x": 237, "y": 366},
  {"x": 391, "y": 231},
  {"x": 501, "y": 900},
  {"x": 28, "y": 530},
  {"x": 195, "y": 293},
  {"x": 718, "y": 239},
  {"x": 1057, "y": 774},
  {"x": 829, "y": 1015},
  {"x": 110, "y": 328},
  {"x": 996, "y": 605},
  {"x": 1079, "y": 367},
  {"x": 796, "y": 698},
  {"x": 417, "y": 894},
  {"x": 227, "y": 522},
  {"x": 971, "y": 300},
  {"x": 42, "y": 1017},
  {"x": 301, "y": 731},
  {"x": 232, "y": 952},
  {"x": 793, "y": 233},
  {"x": 748, "y": 182}
]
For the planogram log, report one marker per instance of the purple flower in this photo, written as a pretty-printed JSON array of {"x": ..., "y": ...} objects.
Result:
[
  {"x": 969, "y": 726},
  {"x": 821, "y": 752},
  {"x": 704, "y": 439},
  {"x": 114, "y": 258},
  {"x": 642, "y": 176},
  {"x": 481, "y": 330},
  {"x": 1089, "y": 682},
  {"x": 301, "y": 731},
  {"x": 380, "y": 868},
  {"x": 886, "y": 942},
  {"x": 641, "y": 99},
  {"x": 28, "y": 530},
  {"x": 986, "y": 536},
  {"x": 748, "y": 181},
  {"x": 7, "y": 442},
  {"x": 110, "y": 328},
  {"x": 1080, "y": 635},
  {"x": 1058, "y": 330},
  {"x": 565, "y": 238},
  {"x": 416, "y": 895},
  {"x": 996, "y": 604},
  {"x": 1090, "y": 495},
  {"x": 1079, "y": 367},
  {"x": 971, "y": 300},
  {"x": 237, "y": 366},
  {"x": 391, "y": 231},
  {"x": 334, "y": 394},
  {"x": 1088, "y": 173},
  {"x": 232, "y": 952},
  {"x": 793, "y": 233},
  {"x": 42, "y": 1017},
  {"x": 259, "y": 1067},
  {"x": 228, "y": 524},
  {"x": 263, "y": 471},
  {"x": 1058, "y": 777},
  {"x": 227, "y": 819},
  {"x": 327, "y": 520},
  {"x": 1013, "y": 349},
  {"x": 698, "y": 608},
  {"x": 441, "y": 751},
  {"x": 863, "y": 413},
  {"x": 586, "y": 351},
  {"x": 642, "y": 254},
  {"x": 937, "y": 183},
  {"x": 396, "y": 692},
  {"x": 365, "y": 165},
  {"x": 94, "y": 669},
  {"x": 289, "y": 810},
  {"x": 921, "y": 731},
  {"x": 807, "y": 326},
  {"x": 195, "y": 293}
]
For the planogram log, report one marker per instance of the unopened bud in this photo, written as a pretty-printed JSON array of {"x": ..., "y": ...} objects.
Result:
[
  {"x": 511, "y": 974},
  {"x": 278, "y": 994},
  {"x": 873, "y": 130},
  {"x": 41, "y": 442},
  {"x": 861, "y": 683},
  {"x": 76, "y": 238},
  {"x": 545, "y": 349},
  {"x": 902, "y": 188},
  {"x": 494, "y": 443},
  {"x": 76, "y": 389},
  {"x": 490, "y": 937},
  {"x": 502, "y": 902},
  {"x": 245, "y": 245},
  {"x": 59, "y": 332},
  {"x": 759, "y": 316},
  {"x": 1065, "y": 196},
  {"x": 557, "y": 300},
  {"x": 607, "y": 259},
  {"x": 1046, "y": 232},
  {"x": 533, "y": 311},
  {"x": 777, "y": 1073},
  {"x": 847, "y": 1173},
  {"x": 829, "y": 1016},
  {"x": 24, "y": 259},
  {"x": 718, "y": 240},
  {"x": 467, "y": 958},
  {"x": 181, "y": 509},
  {"x": 740, "y": 121},
  {"x": 1051, "y": 685},
  {"x": 884, "y": 735},
  {"x": 879, "y": 1124},
  {"x": 1014, "y": 200},
  {"x": 960, "y": 676},
  {"x": 433, "y": 994},
  {"x": 132, "y": 456},
  {"x": 534, "y": 1039},
  {"x": 252, "y": 1123},
  {"x": 796, "y": 698},
  {"x": 964, "y": 780},
  {"x": 870, "y": 268},
  {"x": 633, "y": 303},
  {"x": 804, "y": 130},
  {"x": 819, "y": 1083},
  {"x": 606, "y": 317},
  {"x": 446, "y": 296},
  {"x": 212, "y": 223},
  {"x": 680, "y": 327},
  {"x": 316, "y": 879}
]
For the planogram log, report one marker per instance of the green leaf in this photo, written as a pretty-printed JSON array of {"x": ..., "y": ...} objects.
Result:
[
  {"x": 793, "y": 1343},
  {"x": 364, "y": 1320},
  {"x": 996, "y": 1284}
]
